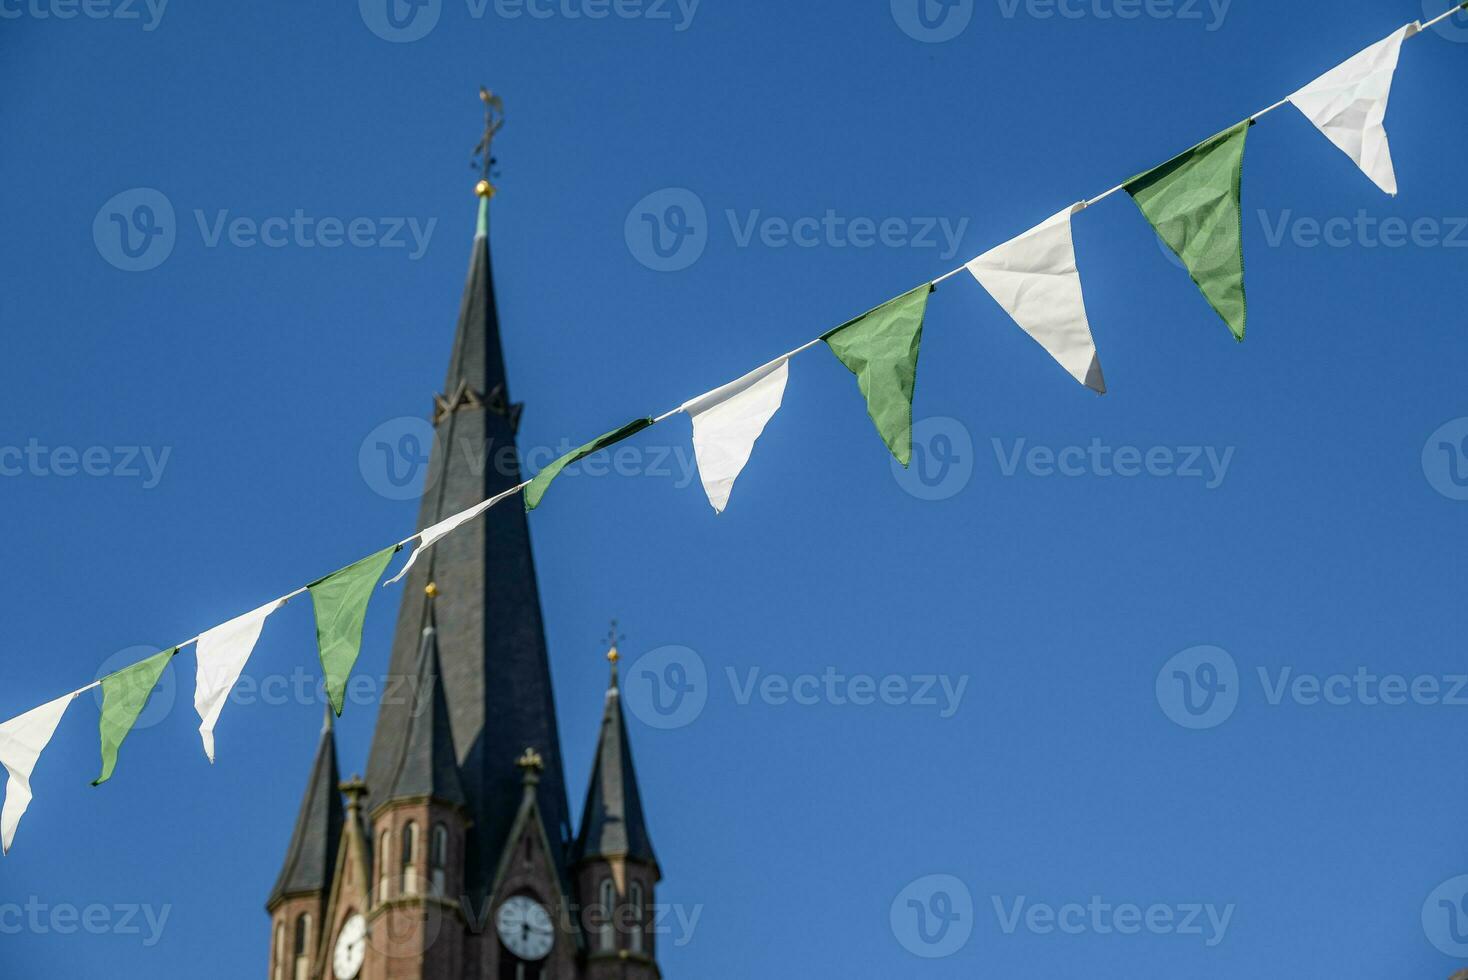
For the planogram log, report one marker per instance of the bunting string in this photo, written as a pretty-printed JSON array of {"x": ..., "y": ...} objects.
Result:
[{"x": 1192, "y": 201}]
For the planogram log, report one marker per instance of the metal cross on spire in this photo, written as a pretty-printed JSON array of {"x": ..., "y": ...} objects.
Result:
[
  {"x": 494, "y": 121},
  {"x": 613, "y": 640}
]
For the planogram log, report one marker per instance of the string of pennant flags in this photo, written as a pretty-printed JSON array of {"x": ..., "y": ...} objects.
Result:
[{"x": 1193, "y": 201}]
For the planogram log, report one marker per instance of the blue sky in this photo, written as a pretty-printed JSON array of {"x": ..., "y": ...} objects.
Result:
[{"x": 1299, "y": 514}]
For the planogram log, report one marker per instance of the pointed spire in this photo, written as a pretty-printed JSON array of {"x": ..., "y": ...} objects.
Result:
[
  {"x": 429, "y": 766},
  {"x": 490, "y": 635},
  {"x": 476, "y": 375},
  {"x": 311, "y": 857},
  {"x": 612, "y": 824}
]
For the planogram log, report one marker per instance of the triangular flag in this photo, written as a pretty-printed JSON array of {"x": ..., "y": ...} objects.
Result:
[
  {"x": 340, "y": 601},
  {"x": 221, "y": 654},
  {"x": 430, "y": 535},
  {"x": 537, "y": 487},
  {"x": 1348, "y": 105},
  {"x": 1034, "y": 277},
  {"x": 21, "y": 742},
  {"x": 881, "y": 348},
  {"x": 124, "y": 695},
  {"x": 726, "y": 423},
  {"x": 1193, "y": 201}
]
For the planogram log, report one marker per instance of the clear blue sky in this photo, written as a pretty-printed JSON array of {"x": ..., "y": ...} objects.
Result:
[{"x": 791, "y": 830}]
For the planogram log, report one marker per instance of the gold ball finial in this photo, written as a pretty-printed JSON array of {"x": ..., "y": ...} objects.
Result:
[
  {"x": 430, "y": 590},
  {"x": 484, "y": 189},
  {"x": 613, "y": 655}
]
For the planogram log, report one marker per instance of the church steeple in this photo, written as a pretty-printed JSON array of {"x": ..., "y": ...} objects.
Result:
[
  {"x": 495, "y": 672},
  {"x": 429, "y": 767},
  {"x": 616, "y": 870},
  {"x": 311, "y": 857},
  {"x": 297, "y": 904},
  {"x": 612, "y": 822}
]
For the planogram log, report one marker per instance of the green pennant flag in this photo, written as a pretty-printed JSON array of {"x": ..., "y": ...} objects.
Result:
[
  {"x": 124, "y": 695},
  {"x": 340, "y": 601},
  {"x": 1193, "y": 201},
  {"x": 536, "y": 490},
  {"x": 881, "y": 349}
]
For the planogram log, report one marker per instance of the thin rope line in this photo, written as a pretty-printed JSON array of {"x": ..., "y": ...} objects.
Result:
[{"x": 1442, "y": 17}]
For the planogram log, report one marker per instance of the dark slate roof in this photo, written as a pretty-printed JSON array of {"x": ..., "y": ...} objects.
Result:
[
  {"x": 429, "y": 767},
  {"x": 311, "y": 858},
  {"x": 491, "y": 639},
  {"x": 612, "y": 824}
]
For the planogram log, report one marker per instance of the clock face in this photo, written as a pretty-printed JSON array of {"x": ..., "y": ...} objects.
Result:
[
  {"x": 525, "y": 928},
  {"x": 351, "y": 949}
]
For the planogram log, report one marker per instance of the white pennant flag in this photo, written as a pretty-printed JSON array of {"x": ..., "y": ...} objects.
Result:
[
  {"x": 1348, "y": 105},
  {"x": 21, "y": 743},
  {"x": 429, "y": 535},
  {"x": 221, "y": 653},
  {"x": 726, "y": 423},
  {"x": 1034, "y": 277}
]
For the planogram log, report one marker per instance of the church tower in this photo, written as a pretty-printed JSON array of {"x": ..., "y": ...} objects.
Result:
[
  {"x": 454, "y": 859},
  {"x": 297, "y": 904},
  {"x": 616, "y": 870}
]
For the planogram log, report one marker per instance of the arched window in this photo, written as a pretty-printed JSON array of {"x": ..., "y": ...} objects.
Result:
[
  {"x": 303, "y": 946},
  {"x": 278, "y": 970},
  {"x": 410, "y": 856},
  {"x": 384, "y": 868},
  {"x": 606, "y": 930},
  {"x": 635, "y": 901},
  {"x": 438, "y": 860}
]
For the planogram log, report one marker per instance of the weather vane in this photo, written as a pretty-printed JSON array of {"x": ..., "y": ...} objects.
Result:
[
  {"x": 613, "y": 640},
  {"x": 494, "y": 121}
]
